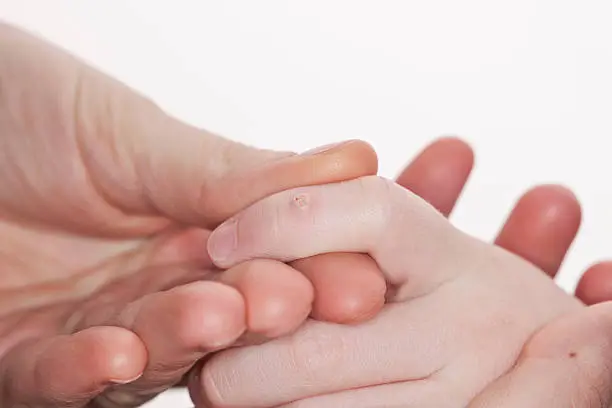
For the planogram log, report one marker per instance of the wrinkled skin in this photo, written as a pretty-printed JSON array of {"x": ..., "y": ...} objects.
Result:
[{"x": 108, "y": 295}]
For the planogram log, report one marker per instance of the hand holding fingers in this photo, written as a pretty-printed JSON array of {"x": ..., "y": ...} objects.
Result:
[
  {"x": 405, "y": 237},
  {"x": 252, "y": 301},
  {"x": 350, "y": 216},
  {"x": 371, "y": 213}
]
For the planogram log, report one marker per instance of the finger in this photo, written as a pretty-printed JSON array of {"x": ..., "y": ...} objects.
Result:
[
  {"x": 320, "y": 359},
  {"x": 242, "y": 175},
  {"x": 369, "y": 215},
  {"x": 278, "y": 298},
  {"x": 542, "y": 227},
  {"x": 180, "y": 326},
  {"x": 137, "y": 158},
  {"x": 439, "y": 173},
  {"x": 68, "y": 371},
  {"x": 349, "y": 288},
  {"x": 595, "y": 286},
  {"x": 566, "y": 365}
]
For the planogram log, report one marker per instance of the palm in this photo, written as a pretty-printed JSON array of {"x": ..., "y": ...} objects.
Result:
[
  {"x": 84, "y": 238},
  {"x": 70, "y": 256},
  {"x": 74, "y": 281},
  {"x": 69, "y": 259}
]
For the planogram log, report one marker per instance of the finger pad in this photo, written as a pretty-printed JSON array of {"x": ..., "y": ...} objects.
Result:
[
  {"x": 278, "y": 298},
  {"x": 595, "y": 286},
  {"x": 89, "y": 360},
  {"x": 349, "y": 287}
]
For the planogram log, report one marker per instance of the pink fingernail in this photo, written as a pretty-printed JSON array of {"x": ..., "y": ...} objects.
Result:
[
  {"x": 123, "y": 382},
  {"x": 223, "y": 241}
]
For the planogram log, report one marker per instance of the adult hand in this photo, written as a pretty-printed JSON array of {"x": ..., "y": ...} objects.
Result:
[{"x": 108, "y": 295}]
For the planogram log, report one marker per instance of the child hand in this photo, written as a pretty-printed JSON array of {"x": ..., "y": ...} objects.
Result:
[{"x": 461, "y": 310}]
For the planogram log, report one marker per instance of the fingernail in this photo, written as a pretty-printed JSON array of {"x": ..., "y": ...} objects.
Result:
[
  {"x": 123, "y": 382},
  {"x": 322, "y": 149},
  {"x": 223, "y": 241}
]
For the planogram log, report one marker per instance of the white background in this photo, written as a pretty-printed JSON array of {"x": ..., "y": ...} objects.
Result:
[{"x": 527, "y": 82}]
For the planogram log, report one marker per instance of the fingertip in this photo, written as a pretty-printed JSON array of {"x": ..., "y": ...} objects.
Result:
[
  {"x": 278, "y": 298},
  {"x": 78, "y": 367},
  {"x": 121, "y": 352},
  {"x": 349, "y": 288},
  {"x": 595, "y": 286},
  {"x": 542, "y": 226},
  {"x": 448, "y": 149},
  {"x": 542, "y": 211},
  {"x": 351, "y": 308},
  {"x": 285, "y": 307},
  {"x": 439, "y": 172},
  {"x": 453, "y": 146},
  {"x": 560, "y": 201},
  {"x": 362, "y": 159},
  {"x": 222, "y": 243},
  {"x": 212, "y": 315},
  {"x": 344, "y": 161}
]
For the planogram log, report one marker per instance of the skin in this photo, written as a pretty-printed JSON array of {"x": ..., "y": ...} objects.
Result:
[
  {"x": 123, "y": 197},
  {"x": 477, "y": 326},
  {"x": 108, "y": 295}
]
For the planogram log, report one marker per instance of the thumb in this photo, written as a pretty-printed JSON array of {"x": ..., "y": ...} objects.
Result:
[
  {"x": 196, "y": 177},
  {"x": 141, "y": 160},
  {"x": 188, "y": 174},
  {"x": 565, "y": 365}
]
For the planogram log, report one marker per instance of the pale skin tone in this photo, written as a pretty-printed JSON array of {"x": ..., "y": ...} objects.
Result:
[
  {"x": 108, "y": 296},
  {"x": 467, "y": 323}
]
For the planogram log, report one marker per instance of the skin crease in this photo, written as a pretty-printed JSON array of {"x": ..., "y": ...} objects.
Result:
[
  {"x": 455, "y": 324},
  {"x": 106, "y": 206},
  {"x": 112, "y": 217}
]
